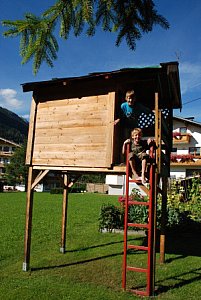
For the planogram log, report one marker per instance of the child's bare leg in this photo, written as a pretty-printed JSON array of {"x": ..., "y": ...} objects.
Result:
[
  {"x": 132, "y": 164},
  {"x": 144, "y": 164}
]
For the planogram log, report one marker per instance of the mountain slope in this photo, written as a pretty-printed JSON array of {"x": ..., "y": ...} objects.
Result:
[{"x": 13, "y": 127}]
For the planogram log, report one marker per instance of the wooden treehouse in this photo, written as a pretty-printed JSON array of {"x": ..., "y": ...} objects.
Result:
[{"x": 72, "y": 128}]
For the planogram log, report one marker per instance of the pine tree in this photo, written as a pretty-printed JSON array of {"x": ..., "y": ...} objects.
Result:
[{"x": 129, "y": 19}]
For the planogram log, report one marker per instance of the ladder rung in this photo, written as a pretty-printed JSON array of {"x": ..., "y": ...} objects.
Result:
[
  {"x": 138, "y": 225},
  {"x": 136, "y": 181},
  {"x": 138, "y": 247},
  {"x": 138, "y": 203},
  {"x": 135, "y": 269},
  {"x": 138, "y": 292}
]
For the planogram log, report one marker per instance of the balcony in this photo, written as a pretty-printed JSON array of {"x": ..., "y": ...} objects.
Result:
[
  {"x": 185, "y": 160},
  {"x": 181, "y": 138}
]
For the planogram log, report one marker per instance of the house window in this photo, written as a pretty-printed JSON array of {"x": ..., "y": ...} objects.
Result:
[
  {"x": 183, "y": 130},
  {"x": 194, "y": 150},
  {"x": 174, "y": 150},
  {"x": 6, "y": 148}
]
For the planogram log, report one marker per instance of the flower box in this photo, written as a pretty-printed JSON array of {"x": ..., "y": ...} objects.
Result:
[{"x": 181, "y": 138}]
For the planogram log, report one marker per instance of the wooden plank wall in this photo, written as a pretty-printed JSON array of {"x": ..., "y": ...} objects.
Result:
[{"x": 75, "y": 132}]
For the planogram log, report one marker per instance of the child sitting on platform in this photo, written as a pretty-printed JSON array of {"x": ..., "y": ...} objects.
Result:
[{"x": 137, "y": 156}]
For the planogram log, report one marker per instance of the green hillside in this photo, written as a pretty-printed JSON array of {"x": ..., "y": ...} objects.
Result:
[{"x": 13, "y": 127}]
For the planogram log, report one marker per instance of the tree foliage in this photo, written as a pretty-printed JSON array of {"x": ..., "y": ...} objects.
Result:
[
  {"x": 129, "y": 19},
  {"x": 16, "y": 170}
]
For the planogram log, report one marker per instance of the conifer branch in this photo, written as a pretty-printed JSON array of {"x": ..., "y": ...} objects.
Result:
[{"x": 129, "y": 19}]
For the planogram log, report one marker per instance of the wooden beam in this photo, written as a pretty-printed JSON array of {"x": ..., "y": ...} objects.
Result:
[
  {"x": 163, "y": 220},
  {"x": 64, "y": 214},
  {"x": 113, "y": 170},
  {"x": 110, "y": 129},
  {"x": 39, "y": 177},
  {"x": 158, "y": 138},
  {"x": 31, "y": 132},
  {"x": 141, "y": 186},
  {"x": 28, "y": 226},
  {"x": 71, "y": 183}
]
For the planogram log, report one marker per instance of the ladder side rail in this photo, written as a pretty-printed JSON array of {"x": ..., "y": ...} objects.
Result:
[
  {"x": 126, "y": 219},
  {"x": 150, "y": 283}
]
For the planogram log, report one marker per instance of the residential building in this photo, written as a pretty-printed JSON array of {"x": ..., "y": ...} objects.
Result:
[
  {"x": 7, "y": 148},
  {"x": 185, "y": 155},
  {"x": 186, "y": 151}
]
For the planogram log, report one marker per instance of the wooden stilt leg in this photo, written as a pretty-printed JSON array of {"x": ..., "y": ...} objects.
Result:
[
  {"x": 29, "y": 208},
  {"x": 163, "y": 220},
  {"x": 64, "y": 214}
]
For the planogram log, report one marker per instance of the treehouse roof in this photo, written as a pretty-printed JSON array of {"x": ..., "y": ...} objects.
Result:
[{"x": 163, "y": 79}]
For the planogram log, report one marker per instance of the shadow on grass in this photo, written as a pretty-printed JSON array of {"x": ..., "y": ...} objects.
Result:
[
  {"x": 195, "y": 275},
  {"x": 86, "y": 260},
  {"x": 102, "y": 245},
  {"x": 76, "y": 262},
  {"x": 184, "y": 241}
]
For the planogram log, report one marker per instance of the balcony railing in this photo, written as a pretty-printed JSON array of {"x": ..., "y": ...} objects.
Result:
[
  {"x": 185, "y": 159},
  {"x": 5, "y": 153}
]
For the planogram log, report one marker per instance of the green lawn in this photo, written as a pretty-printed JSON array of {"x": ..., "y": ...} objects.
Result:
[{"x": 91, "y": 267}]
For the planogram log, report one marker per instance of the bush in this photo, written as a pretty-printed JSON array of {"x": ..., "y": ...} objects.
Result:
[
  {"x": 137, "y": 213},
  {"x": 76, "y": 188},
  {"x": 190, "y": 206},
  {"x": 111, "y": 217},
  {"x": 180, "y": 214},
  {"x": 56, "y": 191}
]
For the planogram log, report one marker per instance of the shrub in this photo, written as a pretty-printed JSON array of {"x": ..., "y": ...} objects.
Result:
[
  {"x": 56, "y": 191},
  {"x": 180, "y": 214},
  {"x": 76, "y": 188},
  {"x": 110, "y": 217},
  {"x": 190, "y": 206},
  {"x": 138, "y": 213}
]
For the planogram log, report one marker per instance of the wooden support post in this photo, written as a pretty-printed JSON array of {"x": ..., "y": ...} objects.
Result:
[
  {"x": 163, "y": 220},
  {"x": 29, "y": 208},
  {"x": 157, "y": 173},
  {"x": 64, "y": 214},
  {"x": 158, "y": 135}
]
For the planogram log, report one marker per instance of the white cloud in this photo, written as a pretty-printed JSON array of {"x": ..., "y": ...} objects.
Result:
[
  {"x": 25, "y": 117},
  {"x": 190, "y": 77},
  {"x": 8, "y": 99}
]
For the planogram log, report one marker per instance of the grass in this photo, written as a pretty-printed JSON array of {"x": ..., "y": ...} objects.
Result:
[{"x": 91, "y": 267}]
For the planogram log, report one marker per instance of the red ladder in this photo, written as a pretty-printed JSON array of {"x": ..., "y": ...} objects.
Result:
[{"x": 150, "y": 226}]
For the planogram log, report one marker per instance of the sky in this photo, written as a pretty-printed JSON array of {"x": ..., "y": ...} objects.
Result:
[{"x": 83, "y": 55}]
